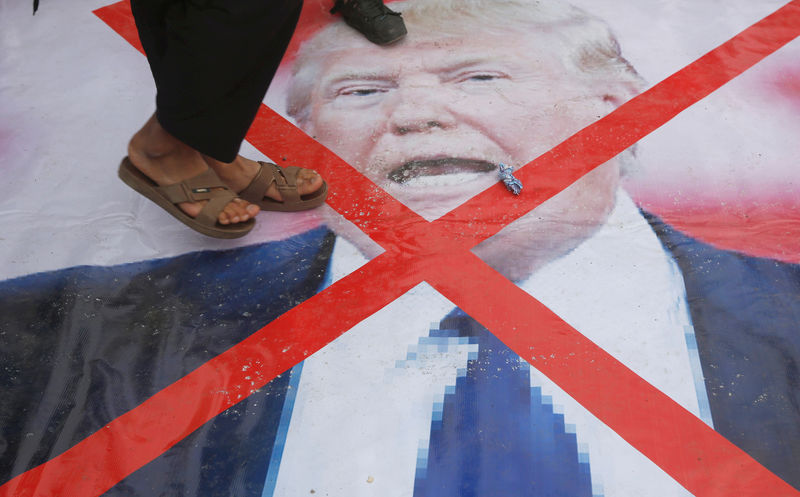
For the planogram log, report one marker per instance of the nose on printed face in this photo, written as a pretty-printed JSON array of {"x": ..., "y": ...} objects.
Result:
[{"x": 420, "y": 109}]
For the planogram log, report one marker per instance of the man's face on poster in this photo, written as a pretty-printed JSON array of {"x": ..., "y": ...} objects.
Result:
[{"x": 430, "y": 119}]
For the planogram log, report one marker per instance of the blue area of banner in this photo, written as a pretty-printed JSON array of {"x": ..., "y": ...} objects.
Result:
[{"x": 283, "y": 430}]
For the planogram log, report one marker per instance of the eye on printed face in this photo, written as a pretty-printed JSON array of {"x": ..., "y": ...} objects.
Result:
[{"x": 429, "y": 120}]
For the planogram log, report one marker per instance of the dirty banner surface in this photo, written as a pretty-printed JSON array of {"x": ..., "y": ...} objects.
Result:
[{"x": 625, "y": 326}]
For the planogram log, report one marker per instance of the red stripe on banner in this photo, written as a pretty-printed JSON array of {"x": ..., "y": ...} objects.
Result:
[
  {"x": 429, "y": 251},
  {"x": 682, "y": 445},
  {"x": 137, "y": 437},
  {"x": 544, "y": 177},
  {"x": 118, "y": 16},
  {"x": 555, "y": 170}
]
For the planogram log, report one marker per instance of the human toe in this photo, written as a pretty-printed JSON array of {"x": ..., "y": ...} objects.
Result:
[
  {"x": 236, "y": 211},
  {"x": 308, "y": 181}
]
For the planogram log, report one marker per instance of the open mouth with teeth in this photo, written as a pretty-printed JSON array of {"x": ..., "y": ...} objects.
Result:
[{"x": 437, "y": 167}]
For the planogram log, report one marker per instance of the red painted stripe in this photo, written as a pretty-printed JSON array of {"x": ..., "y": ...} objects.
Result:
[
  {"x": 696, "y": 456},
  {"x": 85, "y": 469},
  {"x": 599, "y": 142},
  {"x": 490, "y": 211},
  {"x": 137, "y": 437},
  {"x": 118, "y": 16}
]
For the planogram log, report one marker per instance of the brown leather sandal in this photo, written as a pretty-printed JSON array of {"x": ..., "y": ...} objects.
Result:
[
  {"x": 204, "y": 186},
  {"x": 285, "y": 179}
]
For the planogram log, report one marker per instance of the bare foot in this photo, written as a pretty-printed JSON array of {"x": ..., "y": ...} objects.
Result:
[
  {"x": 239, "y": 173},
  {"x": 166, "y": 160}
]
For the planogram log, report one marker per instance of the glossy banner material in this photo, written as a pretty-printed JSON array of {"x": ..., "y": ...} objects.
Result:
[{"x": 625, "y": 326}]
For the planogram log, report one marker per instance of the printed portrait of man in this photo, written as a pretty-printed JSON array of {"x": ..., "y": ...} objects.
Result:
[{"x": 419, "y": 399}]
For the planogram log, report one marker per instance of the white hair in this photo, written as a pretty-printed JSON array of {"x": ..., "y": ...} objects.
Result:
[{"x": 588, "y": 46}]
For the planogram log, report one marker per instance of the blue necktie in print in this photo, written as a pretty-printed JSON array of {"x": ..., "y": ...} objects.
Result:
[{"x": 495, "y": 435}]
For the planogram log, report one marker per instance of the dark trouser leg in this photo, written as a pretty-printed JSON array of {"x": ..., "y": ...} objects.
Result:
[{"x": 212, "y": 61}]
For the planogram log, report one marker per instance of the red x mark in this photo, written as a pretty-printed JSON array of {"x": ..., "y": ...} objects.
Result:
[{"x": 439, "y": 253}]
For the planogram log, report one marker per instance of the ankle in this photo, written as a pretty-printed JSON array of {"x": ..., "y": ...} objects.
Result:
[
  {"x": 239, "y": 166},
  {"x": 163, "y": 162},
  {"x": 155, "y": 142}
]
